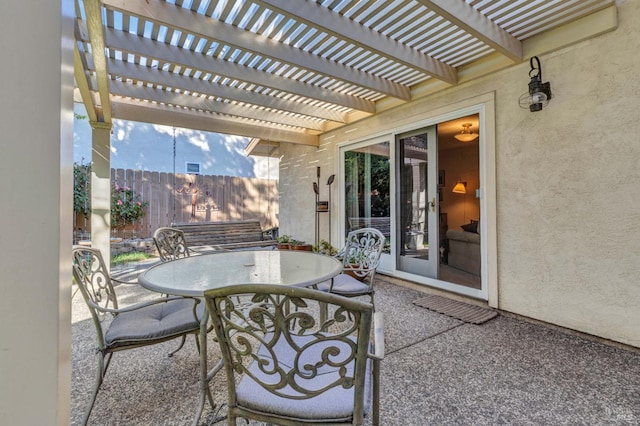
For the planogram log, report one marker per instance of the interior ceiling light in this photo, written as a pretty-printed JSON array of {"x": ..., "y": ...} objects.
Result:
[
  {"x": 466, "y": 135},
  {"x": 539, "y": 93}
]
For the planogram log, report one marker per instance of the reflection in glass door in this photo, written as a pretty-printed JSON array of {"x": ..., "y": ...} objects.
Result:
[
  {"x": 416, "y": 182},
  {"x": 367, "y": 188}
]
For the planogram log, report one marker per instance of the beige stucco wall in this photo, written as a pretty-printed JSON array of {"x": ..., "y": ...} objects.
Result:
[
  {"x": 568, "y": 218},
  {"x": 298, "y": 166}
]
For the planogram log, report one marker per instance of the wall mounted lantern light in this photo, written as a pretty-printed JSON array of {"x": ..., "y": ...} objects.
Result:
[
  {"x": 466, "y": 135},
  {"x": 539, "y": 93}
]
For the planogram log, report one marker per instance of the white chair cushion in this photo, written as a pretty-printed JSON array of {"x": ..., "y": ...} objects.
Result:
[
  {"x": 335, "y": 404},
  {"x": 344, "y": 284}
]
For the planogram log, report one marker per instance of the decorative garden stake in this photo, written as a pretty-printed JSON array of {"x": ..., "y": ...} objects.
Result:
[{"x": 329, "y": 182}]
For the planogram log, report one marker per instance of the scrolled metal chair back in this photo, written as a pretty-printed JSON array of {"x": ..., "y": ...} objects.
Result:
[
  {"x": 170, "y": 243},
  {"x": 93, "y": 280},
  {"x": 92, "y": 277},
  {"x": 363, "y": 248},
  {"x": 295, "y": 347}
]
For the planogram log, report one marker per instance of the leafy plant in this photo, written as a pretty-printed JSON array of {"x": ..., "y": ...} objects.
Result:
[
  {"x": 356, "y": 256},
  {"x": 82, "y": 189},
  {"x": 126, "y": 206},
  {"x": 284, "y": 239},
  {"x": 324, "y": 247}
]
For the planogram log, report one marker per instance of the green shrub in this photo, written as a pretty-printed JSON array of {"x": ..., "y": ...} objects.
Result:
[
  {"x": 82, "y": 189},
  {"x": 126, "y": 206}
]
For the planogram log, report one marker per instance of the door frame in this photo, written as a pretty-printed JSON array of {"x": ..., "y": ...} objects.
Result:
[{"x": 484, "y": 106}]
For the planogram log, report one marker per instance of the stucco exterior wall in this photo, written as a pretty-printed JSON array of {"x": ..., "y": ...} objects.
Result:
[
  {"x": 298, "y": 167},
  {"x": 568, "y": 219}
]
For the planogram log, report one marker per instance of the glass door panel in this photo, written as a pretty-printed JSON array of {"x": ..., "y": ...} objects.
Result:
[
  {"x": 367, "y": 189},
  {"x": 417, "y": 226}
]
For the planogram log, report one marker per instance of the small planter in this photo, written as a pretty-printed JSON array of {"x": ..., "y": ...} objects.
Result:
[
  {"x": 284, "y": 242},
  {"x": 304, "y": 247},
  {"x": 352, "y": 273}
]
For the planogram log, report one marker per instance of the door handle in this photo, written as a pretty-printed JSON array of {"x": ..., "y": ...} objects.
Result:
[{"x": 432, "y": 204}]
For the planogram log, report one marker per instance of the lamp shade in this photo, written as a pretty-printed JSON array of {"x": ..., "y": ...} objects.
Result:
[
  {"x": 466, "y": 135},
  {"x": 460, "y": 188}
]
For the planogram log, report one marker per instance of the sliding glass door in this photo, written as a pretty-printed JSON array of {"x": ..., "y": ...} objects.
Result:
[
  {"x": 417, "y": 189},
  {"x": 367, "y": 186},
  {"x": 420, "y": 186}
]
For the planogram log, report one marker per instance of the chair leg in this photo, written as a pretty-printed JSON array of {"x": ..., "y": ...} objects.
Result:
[
  {"x": 376, "y": 393},
  {"x": 96, "y": 387},
  {"x": 182, "y": 340},
  {"x": 324, "y": 312},
  {"x": 231, "y": 420},
  {"x": 197, "y": 342}
]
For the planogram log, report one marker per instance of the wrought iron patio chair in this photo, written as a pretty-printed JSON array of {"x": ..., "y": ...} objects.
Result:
[
  {"x": 360, "y": 257},
  {"x": 134, "y": 326},
  {"x": 290, "y": 368},
  {"x": 170, "y": 243}
]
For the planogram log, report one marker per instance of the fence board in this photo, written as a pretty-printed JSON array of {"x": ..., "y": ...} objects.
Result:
[{"x": 216, "y": 198}]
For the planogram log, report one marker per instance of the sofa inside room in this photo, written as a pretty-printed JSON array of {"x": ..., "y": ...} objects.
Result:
[{"x": 464, "y": 248}]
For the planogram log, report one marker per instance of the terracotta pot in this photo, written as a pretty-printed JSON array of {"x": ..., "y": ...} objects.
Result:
[
  {"x": 305, "y": 247},
  {"x": 283, "y": 246},
  {"x": 353, "y": 274}
]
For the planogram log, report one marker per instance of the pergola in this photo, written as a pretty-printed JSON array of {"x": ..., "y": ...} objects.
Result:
[{"x": 287, "y": 71}]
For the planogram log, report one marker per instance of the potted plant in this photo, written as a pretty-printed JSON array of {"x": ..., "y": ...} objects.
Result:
[
  {"x": 325, "y": 248},
  {"x": 283, "y": 242},
  {"x": 354, "y": 260},
  {"x": 300, "y": 245}
]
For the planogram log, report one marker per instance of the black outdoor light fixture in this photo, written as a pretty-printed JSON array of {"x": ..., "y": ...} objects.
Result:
[{"x": 539, "y": 92}]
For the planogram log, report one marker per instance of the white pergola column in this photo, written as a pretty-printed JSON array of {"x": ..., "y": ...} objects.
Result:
[
  {"x": 101, "y": 188},
  {"x": 36, "y": 187}
]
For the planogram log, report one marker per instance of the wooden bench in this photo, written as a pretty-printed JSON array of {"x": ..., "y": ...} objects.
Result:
[
  {"x": 203, "y": 236},
  {"x": 382, "y": 224}
]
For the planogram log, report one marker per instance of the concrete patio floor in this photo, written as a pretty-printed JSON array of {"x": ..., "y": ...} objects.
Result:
[{"x": 437, "y": 371}]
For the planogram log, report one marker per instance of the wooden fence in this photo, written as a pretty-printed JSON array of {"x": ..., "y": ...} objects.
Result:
[{"x": 192, "y": 198}]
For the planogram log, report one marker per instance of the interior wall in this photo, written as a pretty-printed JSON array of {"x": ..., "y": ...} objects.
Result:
[
  {"x": 460, "y": 164},
  {"x": 568, "y": 231}
]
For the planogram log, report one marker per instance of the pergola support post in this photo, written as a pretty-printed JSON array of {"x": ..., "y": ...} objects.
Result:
[{"x": 101, "y": 188}]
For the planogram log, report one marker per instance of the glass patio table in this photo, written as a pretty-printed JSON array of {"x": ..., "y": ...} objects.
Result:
[{"x": 192, "y": 276}]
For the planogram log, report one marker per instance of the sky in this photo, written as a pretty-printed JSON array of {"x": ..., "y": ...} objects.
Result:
[{"x": 143, "y": 146}]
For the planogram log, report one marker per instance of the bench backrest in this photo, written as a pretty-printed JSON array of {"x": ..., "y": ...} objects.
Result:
[
  {"x": 217, "y": 233},
  {"x": 382, "y": 224}
]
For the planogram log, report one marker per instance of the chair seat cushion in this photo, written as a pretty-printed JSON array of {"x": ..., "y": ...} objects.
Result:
[
  {"x": 345, "y": 284},
  {"x": 154, "y": 322},
  {"x": 335, "y": 404}
]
